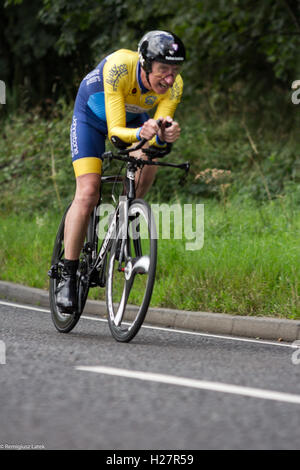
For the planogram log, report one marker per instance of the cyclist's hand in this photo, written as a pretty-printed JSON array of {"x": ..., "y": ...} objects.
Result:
[
  {"x": 171, "y": 133},
  {"x": 150, "y": 129}
]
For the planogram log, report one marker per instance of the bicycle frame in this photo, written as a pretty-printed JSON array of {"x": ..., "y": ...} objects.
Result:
[
  {"x": 122, "y": 208},
  {"x": 122, "y": 258}
]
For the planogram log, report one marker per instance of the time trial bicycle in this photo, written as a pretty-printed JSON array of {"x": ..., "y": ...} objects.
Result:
[{"x": 124, "y": 261}]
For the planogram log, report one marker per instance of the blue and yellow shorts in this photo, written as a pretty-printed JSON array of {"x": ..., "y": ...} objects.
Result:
[{"x": 87, "y": 138}]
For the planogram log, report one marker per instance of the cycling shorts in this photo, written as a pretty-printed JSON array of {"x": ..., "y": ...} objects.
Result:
[{"x": 87, "y": 138}]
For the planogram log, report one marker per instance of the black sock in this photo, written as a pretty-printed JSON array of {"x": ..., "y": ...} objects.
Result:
[{"x": 71, "y": 265}]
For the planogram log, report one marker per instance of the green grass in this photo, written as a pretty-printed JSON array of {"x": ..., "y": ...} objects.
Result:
[
  {"x": 249, "y": 263},
  {"x": 26, "y": 246}
]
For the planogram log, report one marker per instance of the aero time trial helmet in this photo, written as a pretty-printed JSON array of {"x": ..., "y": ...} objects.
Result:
[{"x": 160, "y": 46}]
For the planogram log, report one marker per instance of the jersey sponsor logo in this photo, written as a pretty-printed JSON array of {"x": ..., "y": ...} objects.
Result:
[
  {"x": 74, "y": 144},
  {"x": 150, "y": 100},
  {"x": 92, "y": 77},
  {"x": 115, "y": 74},
  {"x": 93, "y": 80},
  {"x": 92, "y": 74}
]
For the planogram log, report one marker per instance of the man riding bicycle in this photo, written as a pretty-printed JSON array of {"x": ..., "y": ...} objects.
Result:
[{"x": 113, "y": 100}]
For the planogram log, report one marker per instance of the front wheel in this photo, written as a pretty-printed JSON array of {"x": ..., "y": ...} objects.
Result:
[{"x": 131, "y": 272}]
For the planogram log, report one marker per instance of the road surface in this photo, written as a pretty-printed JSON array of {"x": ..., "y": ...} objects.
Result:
[{"x": 165, "y": 390}]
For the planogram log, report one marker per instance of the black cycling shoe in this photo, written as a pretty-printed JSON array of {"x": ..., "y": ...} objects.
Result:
[{"x": 66, "y": 293}]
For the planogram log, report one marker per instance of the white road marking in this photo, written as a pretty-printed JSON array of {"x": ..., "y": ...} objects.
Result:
[
  {"x": 199, "y": 384},
  {"x": 25, "y": 307},
  {"x": 172, "y": 330}
]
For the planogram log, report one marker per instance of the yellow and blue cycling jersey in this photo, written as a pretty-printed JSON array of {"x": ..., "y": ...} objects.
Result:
[{"x": 112, "y": 101}]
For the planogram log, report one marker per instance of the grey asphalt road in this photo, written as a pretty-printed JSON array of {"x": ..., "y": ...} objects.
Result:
[{"x": 48, "y": 401}]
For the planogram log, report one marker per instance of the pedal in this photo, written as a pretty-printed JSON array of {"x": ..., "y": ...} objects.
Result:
[{"x": 96, "y": 279}]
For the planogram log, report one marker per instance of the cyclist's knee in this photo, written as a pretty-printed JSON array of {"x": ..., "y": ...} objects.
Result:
[{"x": 87, "y": 191}]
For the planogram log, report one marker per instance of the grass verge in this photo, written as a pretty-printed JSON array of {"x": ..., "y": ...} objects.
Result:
[{"x": 248, "y": 265}]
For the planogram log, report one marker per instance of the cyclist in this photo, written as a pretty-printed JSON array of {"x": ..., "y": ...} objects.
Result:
[{"x": 113, "y": 100}]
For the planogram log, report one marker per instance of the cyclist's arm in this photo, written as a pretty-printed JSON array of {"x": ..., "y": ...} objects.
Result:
[
  {"x": 116, "y": 78},
  {"x": 167, "y": 107}
]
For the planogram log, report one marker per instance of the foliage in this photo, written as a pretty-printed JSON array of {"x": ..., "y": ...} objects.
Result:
[
  {"x": 229, "y": 154},
  {"x": 236, "y": 113},
  {"x": 47, "y": 46}
]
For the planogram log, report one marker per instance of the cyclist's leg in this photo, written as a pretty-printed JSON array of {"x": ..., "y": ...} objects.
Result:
[
  {"x": 87, "y": 145},
  {"x": 86, "y": 197}
]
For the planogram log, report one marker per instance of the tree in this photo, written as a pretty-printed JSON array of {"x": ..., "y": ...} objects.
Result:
[{"x": 50, "y": 44}]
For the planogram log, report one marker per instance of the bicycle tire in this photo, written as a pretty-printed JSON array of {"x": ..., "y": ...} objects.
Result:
[
  {"x": 138, "y": 273},
  {"x": 65, "y": 323}
]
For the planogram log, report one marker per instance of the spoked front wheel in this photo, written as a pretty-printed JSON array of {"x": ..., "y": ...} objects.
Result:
[{"x": 131, "y": 272}]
